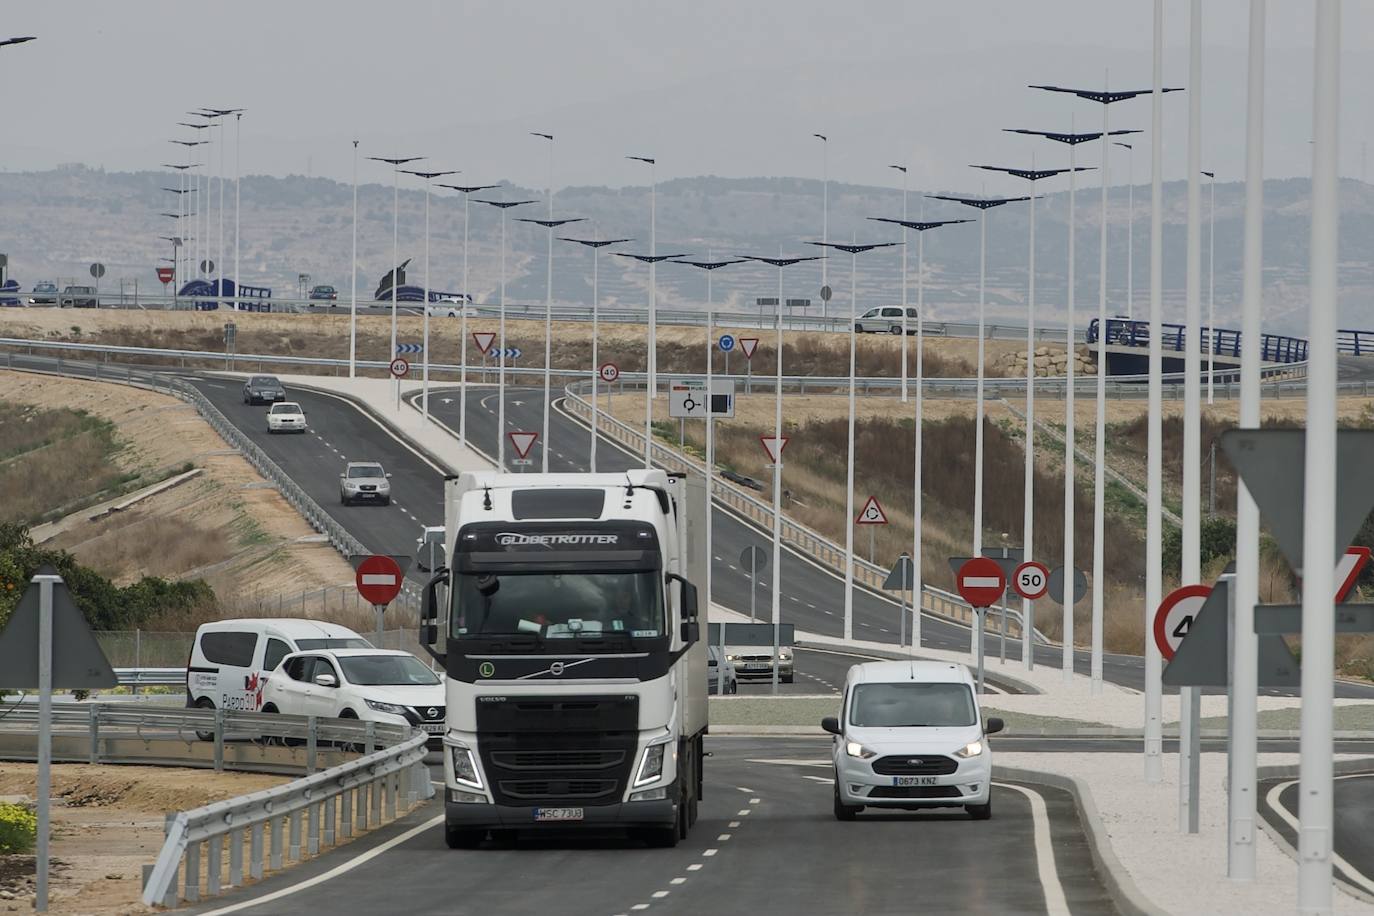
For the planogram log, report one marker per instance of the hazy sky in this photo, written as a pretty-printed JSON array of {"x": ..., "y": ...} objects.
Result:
[{"x": 708, "y": 87}]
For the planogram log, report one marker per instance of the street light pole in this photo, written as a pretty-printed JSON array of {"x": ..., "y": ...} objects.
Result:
[
  {"x": 395, "y": 252},
  {"x": 1130, "y": 229},
  {"x": 424, "y": 396},
  {"x": 1154, "y": 456},
  {"x": 503, "y": 206},
  {"x": 651, "y": 376},
  {"x": 238, "y": 178},
  {"x": 1211, "y": 278},
  {"x": 353, "y": 301},
  {"x": 906, "y": 330},
  {"x": 853, "y": 250},
  {"x": 463, "y": 312},
  {"x": 596, "y": 245},
  {"x": 825, "y": 211}
]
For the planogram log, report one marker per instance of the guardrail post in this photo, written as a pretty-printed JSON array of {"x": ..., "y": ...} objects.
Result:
[
  {"x": 236, "y": 858},
  {"x": 192, "y": 893},
  {"x": 371, "y": 740},
  {"x": 389, "y": 795},
  {"x": 215, "y": 856},
  {"x": 219, "y": 740},
  {"x": 94, "y": 756},
  {"x": 312, "y": 829},
  {"x": 361, "y": 804},
  {"x": 255, "y": 852},
  {"x": 312, "y": 732},
  {"x": 329, "y": 815},
  {"x": 376, "y": 792},
  {"x": 276, "y": 828},
  {"x": 294, "y": 849},
  {"x": 408, "y": 788},
  {"x": 169, "y": 897},
  {"x": 345, "y": 815}
]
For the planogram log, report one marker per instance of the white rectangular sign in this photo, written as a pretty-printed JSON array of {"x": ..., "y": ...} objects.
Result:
[{"x": 687, "y": 398}]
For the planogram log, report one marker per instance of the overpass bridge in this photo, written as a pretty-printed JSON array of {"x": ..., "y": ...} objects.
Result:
[{"x": 1128, "y": 343}]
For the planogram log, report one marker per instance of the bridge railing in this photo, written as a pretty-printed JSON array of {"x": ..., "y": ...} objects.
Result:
[{"x": 1274, "y": 348}]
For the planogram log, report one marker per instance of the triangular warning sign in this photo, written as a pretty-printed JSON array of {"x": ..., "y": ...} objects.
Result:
[
  {"x": 748, "y": 345},
  {"x": 774, "y": 445},
  {"x": 77, "y": 660},
  {"x": 522, "y": 442},
  {"x": 872, "y": 513},
  {"x": 484, "y": 340}
]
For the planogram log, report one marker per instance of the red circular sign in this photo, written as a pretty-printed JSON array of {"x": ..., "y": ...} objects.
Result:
[
  {"x": 1176, "y": 615},
  {"x": 609, "y": 372},
  {"x": 1031, "y": 580},
  {"x": 981, "y": 581},
  {"x": 379, "y": 580},
  {"x": 400, "y": 368}
]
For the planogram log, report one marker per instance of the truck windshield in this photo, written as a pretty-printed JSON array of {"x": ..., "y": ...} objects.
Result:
[
  {"x": 911, "y": 705},
  {"x": 558, "y": 605}
]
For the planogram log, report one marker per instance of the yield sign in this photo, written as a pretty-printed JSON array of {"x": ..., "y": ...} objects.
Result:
[
  {"x": 774, "y": 445},
  {"x": 748, "y": 345},
  {"x": 484, "y": 340},
  {"x": 872, "y": 513},
  {"x": 378, "y": 579},
  {"x": 522, "y": 442}
]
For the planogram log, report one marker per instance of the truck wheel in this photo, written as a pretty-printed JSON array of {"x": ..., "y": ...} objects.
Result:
[{"x": 460, "y": 838}]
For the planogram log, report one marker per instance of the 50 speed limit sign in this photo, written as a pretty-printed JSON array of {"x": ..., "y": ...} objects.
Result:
[{"x": 1031, "y": 580}]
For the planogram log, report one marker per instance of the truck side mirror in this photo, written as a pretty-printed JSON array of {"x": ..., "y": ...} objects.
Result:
[
  {"x": 429, "y": 613},
  {"x": 691, "y": 632}
]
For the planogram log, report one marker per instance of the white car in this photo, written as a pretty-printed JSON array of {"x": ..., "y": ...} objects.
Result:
[
  {"x": 373, "y": 685},
  {"x": 451, "y": 308},
  {"x": 885, "y": 320},
  {"x": 286, "y": 417},
  {"x": 910, "y": 735}
]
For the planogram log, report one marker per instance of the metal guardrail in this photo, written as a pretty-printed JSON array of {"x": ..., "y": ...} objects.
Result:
[
  {"x": 811, "y": 543},
  {"x": 369, "y": 791},
  {"x": 150, "y": 677}
]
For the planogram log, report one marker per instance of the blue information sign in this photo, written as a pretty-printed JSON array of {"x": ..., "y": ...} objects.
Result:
[{"x": 727, "y": 343}]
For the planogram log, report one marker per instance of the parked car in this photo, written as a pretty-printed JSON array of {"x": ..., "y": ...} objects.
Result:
[
  {"x": 325, "y": 293},
  {"x": 263, "y": 389},
  {"x": 742, "y": 480},
  {"x": 886, "y": 319},
  {"x": 44, "y": 293},
  {"x": 429, "y": 548},
  {"x": 286, "y": 417},
  {"x": 373, "y": 685},
  {"x": 364, "y": 481},
  {"x": 715, "y": 671},
  {"x": 78, "y": 297},
  {"x": 910, "y": 735},
  {"x": 231, "y": 660}
]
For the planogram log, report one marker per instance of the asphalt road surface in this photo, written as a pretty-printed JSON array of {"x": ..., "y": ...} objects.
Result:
[
  {"x": 1353, "y": 844},
  {"x": 767, "y": 842}
]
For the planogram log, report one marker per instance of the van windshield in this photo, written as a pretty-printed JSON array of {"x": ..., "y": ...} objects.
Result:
[
  {"x": 911, "y": 705},
  {"x": 335, "y": 642}
]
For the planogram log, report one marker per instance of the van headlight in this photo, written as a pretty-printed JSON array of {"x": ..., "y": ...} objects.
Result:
[
  {"x": 972, "y": 749},
  {"x": 855, "y": 749},
  {"x": 464, "y": 766},
  {"x": 651, "y": 764}
]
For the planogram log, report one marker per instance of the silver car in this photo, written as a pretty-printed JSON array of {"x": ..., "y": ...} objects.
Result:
[
  {"x": 886, "y": 319},
  {"x": 364, "y": 482},
  {"x": 715, "y": 671}
]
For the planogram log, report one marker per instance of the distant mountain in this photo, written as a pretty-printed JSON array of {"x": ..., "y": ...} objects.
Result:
[{"x": 58, "y": 222}]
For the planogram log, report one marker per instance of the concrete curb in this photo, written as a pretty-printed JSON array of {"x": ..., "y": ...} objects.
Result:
[{"x": 1117, "y": 880}]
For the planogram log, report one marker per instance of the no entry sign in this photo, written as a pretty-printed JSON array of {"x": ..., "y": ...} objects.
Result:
[
  {"x": 1031, "y": 580},
  {"x": 379, "y": 580},
  {"x": 981, "y": 582},
  {"x": 1176, "y": 615}
]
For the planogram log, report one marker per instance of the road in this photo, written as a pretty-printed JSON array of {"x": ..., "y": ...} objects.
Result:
[
  {"x": 1352, "y": 802},
  {"x": 767, "y": 842}
]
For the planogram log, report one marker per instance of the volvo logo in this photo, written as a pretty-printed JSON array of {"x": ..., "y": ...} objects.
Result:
[{"x": 556, "y": 669}]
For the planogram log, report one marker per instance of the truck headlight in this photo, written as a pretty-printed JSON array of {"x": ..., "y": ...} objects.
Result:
[
  {"x": 651, "y": 764},
  {"x": 855, "y": 749},
  {"x": 389, "y": 708},
  {"x": 972, "y": 749},
  {"x": 464, "y": 766}
]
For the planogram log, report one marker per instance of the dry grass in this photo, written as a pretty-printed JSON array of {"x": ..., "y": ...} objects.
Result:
[
  {"x": 142, "y": 544},
  {"x": 54, "y": 460}
]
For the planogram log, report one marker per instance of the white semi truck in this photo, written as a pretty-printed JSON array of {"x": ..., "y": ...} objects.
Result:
[{"x": 566, "y": 618}]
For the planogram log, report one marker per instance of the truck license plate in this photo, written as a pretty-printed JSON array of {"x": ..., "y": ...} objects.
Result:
[
  {"x": 558, "y": 814},
  {"x": 914, "y": 780}
]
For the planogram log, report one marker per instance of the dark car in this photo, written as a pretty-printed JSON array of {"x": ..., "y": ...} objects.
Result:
[
  {"x": 78, "y": 297},
  {"x": 263, "y": 389},
  {"x": 326, "y": 293},
  {"x": 44, "y": 293}
]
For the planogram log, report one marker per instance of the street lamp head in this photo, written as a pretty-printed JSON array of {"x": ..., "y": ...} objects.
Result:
[
  {"x": 900, "y": 168},
  {"x": 535, "y": 133},
  {"x": 1123, "y": 145},
  {"x": 1070, "y": 139},
  {"x": 1210, "y": 174},
  {"x": 395, "y": 162},
  {"x": 642, "y": 159},
  {"x": 920, "y": 225},
  {"x": 848, "y": 248},
  {"x": 713, "y": 265},
  {"x": 427, "y": 175},
  {"x": 651, "y": 258},
  {"x": 822, "y": 137},
  {"x": 505, "y": 204},
  {"x": 784, "y": 262},
  {"x": 551, "y": 223},
  {"x": 1032, "y": 174},
  {"x": 1104, "y": 96},
  {"x": 979, "y": 203},
  {"x": 189, "y": 142},
  {"x": 469, "y": 188},
  {"x": 194, "y": 126},
  {"x": 221, "y": 112},
  {"x": 172, "y": 215},
  {"x": 17, "y": 41},
  {"x": 595, "y": 243}
]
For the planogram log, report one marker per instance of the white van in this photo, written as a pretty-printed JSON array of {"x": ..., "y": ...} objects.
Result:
[
  {"x": 910, "y": 735},
  {"x": 232, "y": 659}
]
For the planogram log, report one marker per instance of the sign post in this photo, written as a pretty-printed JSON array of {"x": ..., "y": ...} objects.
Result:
[
  {"x": 727, "y": 343},
  {"x": 980, "y": 582},
  {"x": 1031, "y": 580},
  {"x": 753, "y": 560},
  {"x": 378, "y": 579},
  {"x": 747, "y": 346},
  {"x": 901, "y": 580},
  {"x": 1008, "y": 558},
  {"x": 872, "y": 515}
]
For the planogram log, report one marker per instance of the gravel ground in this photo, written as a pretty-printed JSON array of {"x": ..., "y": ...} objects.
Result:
[{"x": 1180, "y": 873}]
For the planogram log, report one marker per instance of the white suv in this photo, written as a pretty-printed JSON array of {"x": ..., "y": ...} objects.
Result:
[
  {"x": 910, "y": 735},
  {"x": 885, "y": 320}
]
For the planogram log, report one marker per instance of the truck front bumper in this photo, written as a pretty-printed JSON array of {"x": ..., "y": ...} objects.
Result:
[{"x": 468, "y": 816}]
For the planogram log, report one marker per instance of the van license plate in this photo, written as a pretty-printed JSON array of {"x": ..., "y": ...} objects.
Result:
[
  {"x": 558, "y": 814},
  {"x": 914, "y": 780}
]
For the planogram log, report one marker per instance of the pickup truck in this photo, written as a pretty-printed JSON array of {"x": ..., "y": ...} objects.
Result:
[{"x": 78, "y": 297}]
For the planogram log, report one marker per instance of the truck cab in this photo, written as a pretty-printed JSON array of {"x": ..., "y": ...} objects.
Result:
[{"x": 567, "y": 621}]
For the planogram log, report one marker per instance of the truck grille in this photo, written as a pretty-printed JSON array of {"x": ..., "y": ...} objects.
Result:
[
  {"x": 546, "y": 789},
  {"x": 915, "y": 765},
  {"x": 558, "y": 759}
]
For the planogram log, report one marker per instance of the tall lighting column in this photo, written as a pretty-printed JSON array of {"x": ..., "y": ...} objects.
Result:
[
  {"x": 651, "y": 376},
  {"x": 1211, "y": 277},
  {"x": 825, "y": 210},
  {"x": 395, "y": 250},
  {"x": 1130, "y": 229},
  {"x": 238, "y": 179},
  {"x": 853, "y": 250},
  {"x": 596, "y": 245},
  {"x": 906, "y": 329},
  {"x": 503, "y": 206},
  {"x": 424, "y": 397},
  {"x": 353, "y": 278},
  {"x": 468, "y": 191}
]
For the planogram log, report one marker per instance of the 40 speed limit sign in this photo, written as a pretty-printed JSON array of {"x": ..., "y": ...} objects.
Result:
[{"x": 1031, "y": 580}]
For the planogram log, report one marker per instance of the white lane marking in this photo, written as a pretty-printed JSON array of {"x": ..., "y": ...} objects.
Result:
[
  {"x": 678, "y": 881},
  {"x": 733, "y": 824},
  {"x": 1055, "y": 902},
  {"x": 755, "y": 801},
  {"x": 743, "y": 812},
  {"x": 825, "y": 779},
  {"x": 695, "y": 866},
  {"x": 745, "y": 789},
  {"x": 660, "y": 894},
  {"x": 1353, "y": 874},
  {"x": 710, "y": 852},
  {"x": 404, "y": 444},
  {"x": 723, "y": 837},
  {"x": 334, "y": 872},
  {"x": 640, "y": 906}
]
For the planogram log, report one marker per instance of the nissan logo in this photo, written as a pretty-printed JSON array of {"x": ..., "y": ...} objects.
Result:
[
  {"x": 432, "y": 712},
  {"x": 556, "y": 669}
]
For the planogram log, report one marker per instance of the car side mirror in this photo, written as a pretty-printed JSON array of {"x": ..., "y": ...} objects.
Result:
[
  {"x": 341, "y": 476},
  {"x": 388, "y": 474},
  {"x": 993, "y": 725},
  {"x": 326, "y": 680},
  {"x": 831, "y": 724}
]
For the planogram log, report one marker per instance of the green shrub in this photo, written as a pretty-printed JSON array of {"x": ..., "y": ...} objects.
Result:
[
  {"x": 18, "y": 828},
  {"x": 1217, "y": 538}
]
